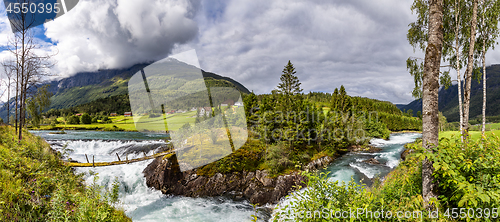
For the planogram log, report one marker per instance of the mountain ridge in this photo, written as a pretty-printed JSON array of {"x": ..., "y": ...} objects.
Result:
[
  {"x": 448, "y": 98},
  {"x": 85, "y": 87}
]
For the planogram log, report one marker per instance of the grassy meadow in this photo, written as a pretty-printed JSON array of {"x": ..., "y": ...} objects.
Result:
[
  {"x": 174, "y": 121},
  {"x": 475, "y": 131}
]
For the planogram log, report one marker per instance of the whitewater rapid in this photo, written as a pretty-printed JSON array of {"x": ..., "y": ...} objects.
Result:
[
  {"x": 351, "y": 165},
  {"x": 145, "y": 204}
]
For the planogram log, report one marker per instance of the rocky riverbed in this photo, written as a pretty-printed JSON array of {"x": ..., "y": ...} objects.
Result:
[{"x": 258, "y": 187}]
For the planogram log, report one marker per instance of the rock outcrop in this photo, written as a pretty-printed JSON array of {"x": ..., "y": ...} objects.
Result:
[
  {"x": 318, "y": 163},
  {"x": 405, "y": 153},
  {"x": 258, "y": 187},
  {"x": 371, "y": 161}
]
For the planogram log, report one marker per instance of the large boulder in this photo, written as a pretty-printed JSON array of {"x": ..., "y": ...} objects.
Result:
[{"x": 258, "y": 187}]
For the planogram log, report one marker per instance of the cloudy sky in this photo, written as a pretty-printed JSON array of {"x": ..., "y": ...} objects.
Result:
[{"x": 359, "y": 44}]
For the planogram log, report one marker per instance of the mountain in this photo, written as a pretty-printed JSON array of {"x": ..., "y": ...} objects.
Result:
[
  {"x": 400, "y": 106},
  {"x": 448, "y": 98},
  {"x": 86, "y": 87}
]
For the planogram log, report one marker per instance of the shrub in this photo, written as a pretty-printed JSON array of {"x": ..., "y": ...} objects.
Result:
[
  {"x": 377, "y": 129},
  {"x": 323, "y": 197},
  {"x": 469, "y": 172},
  {"x": 36, "y": 186},
  {"x": 113, "y": 128},
  {"x": 154, "y": 115},
  {"x": 86, "y": 119},
  {"x": 400, "y": 192},
  {"x": 277, "y": 158},
  {"x": 73, "y": 120},
  {"x": 186, "y": 127},
  {"x": 106, "y": 120}
]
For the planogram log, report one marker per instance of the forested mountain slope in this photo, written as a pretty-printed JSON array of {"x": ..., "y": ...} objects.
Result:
[
  {"x": 448, "y": 98},
  {"x": 86, "y": 87}
]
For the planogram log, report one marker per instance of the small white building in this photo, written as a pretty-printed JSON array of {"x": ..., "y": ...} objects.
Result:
[{"x": 205, "y": 111}]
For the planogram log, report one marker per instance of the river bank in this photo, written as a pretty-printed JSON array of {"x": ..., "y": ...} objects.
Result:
[
  {"x": 142, "y": 203},
  {"x": 35, "y": 185},
  {"x": 365, "y": 162},
  {"x": 258, "y": 187}
]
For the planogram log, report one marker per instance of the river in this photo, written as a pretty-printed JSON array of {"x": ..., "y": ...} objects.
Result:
[{"x": 144, "y": 204}]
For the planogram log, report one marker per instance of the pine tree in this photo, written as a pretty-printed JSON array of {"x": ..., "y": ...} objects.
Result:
[
  {"x": 344, "y": 104},
  {"x": 335, "y": 99},
  {"x": 290, "y": 84},
  {"x": 251, "y": 107}
]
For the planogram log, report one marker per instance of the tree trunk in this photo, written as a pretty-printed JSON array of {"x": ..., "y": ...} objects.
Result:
[
  {"x": 17, "y": 99},
  {"x": 8, "y": 103},
  {"x": 459, "y": 78},
  {"x": 483, "y": 129},
  {"x": 430, "y": 90},
  {"x": 21, "y": 111},
  {"x": 468, "y": 72}
]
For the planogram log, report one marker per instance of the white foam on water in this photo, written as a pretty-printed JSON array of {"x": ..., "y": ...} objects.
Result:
[
  {"x": 345, "y": 173},
  {"x": 395, "y": 139},
  {"x": 101, "y": 149},
  {"x": 342, "y": 175},
  {"x": 142, "y": 203},
  {"x": 392, "y": 158},
  {"x": 369, "y": 172}
]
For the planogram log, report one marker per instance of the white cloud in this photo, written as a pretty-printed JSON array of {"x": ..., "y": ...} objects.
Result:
[
  {"x": 120, "y": 33},
  {"x": 329, "y": 42},
  {"x": 359, "y": 44}
]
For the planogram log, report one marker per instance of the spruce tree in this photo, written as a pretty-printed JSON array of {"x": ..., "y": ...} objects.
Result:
[
  {"x": 335, "y": 99},
  {"x": 290, "y": 84},
  {"x": 344, "y": 104}
]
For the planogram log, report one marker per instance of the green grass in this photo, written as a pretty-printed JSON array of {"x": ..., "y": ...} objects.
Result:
[
  {"x": 174, "y": 121},
  {"x": 35, "y": 185},
  {"x": 489, "y": 126},
  {"x": 475, "y": 135}
]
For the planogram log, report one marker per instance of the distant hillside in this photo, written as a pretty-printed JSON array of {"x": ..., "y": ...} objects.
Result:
[
  {"x": 86, "y": 87},
  {"x": 448, "y": 98}
]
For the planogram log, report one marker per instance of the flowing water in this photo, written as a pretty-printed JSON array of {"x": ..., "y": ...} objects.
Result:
[
  {"x": 352, "y": 165},
  {"x": 144, "y": 204}
]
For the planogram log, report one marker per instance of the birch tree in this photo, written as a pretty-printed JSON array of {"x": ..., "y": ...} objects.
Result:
[
  {"x": 427, "y": 34},
  {"x": 469, "y": 69},
  {"x": 456, "y": 23},
  {"x": 489, "y": 14}
]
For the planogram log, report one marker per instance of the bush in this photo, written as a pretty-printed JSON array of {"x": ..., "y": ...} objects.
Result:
[
  {"x": 36, "y": 186},
  {"x": 85, "y": 119},
  {"x": 469, "y": 172},
  {"x": 154, "y": 115},
  {"x": 113, "y": 128},
  {"x": 54, "y": 122},
  {"x": 400, "y": 192},
  {"x": 106, "y": 120},
  {"x": 323, "y": 198},
  {"x": 73, "y": 120},
  {"x": 94, "y": 120},
  {"x": 186, "y": 127},
  {"x": 377, "y": 130},
  {"x": 277, "y": 158}
]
